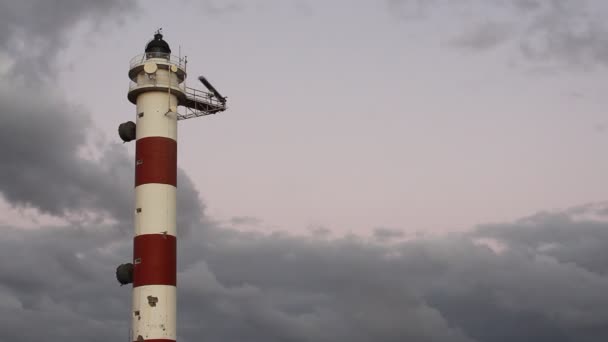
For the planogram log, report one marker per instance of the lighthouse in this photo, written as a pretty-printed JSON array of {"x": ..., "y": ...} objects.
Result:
[{"x": 158, "y": 90}]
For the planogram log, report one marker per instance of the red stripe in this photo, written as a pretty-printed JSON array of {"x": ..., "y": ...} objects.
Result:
[
  {"x": 154, "y": 260},
  {"x": 156, "y": 161}
]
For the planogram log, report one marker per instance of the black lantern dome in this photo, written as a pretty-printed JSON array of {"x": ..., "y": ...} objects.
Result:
[{"x": 158, "y": 45}]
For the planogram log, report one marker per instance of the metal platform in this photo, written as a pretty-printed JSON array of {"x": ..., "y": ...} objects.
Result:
[{"x": 200, "y": 103}]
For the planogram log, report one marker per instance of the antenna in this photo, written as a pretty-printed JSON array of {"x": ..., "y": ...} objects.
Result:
[{"x": 212, "y": 89}]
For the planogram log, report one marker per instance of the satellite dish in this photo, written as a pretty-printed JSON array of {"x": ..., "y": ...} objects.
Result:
[{"x": 150, "y": 68}]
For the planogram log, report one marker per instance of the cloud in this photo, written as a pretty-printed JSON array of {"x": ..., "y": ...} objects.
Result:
[
  {"x": 221, "y": 7},
  {"x": 34, "y": 31},
  {"x": 44, "y": 135},
  {"x": 319, "y": 231},
  {"x": 43, "y": 168},
  {"x": 58, "y": 283},
  {"x": 235, "y": 286},
  {"x": 567, "y": 32},
  {"x": 260, "y": 287},
  {"x": 484, "y": 36},
  {"x": 559, "y": 235},
  {"x": 245, "y": 220},
  {"x": 411, "y": 9},
  {"x": 386, "y": 234},
  {"x": 553, "y": 32},
  {"x": 547, "y": 285}
]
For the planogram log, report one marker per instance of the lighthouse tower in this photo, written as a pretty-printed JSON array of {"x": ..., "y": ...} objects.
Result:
[{"x": 157, "y": 89}]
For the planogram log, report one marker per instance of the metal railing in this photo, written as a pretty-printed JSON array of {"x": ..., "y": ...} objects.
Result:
[
  {"x": 196, "y": 102},
  {"x": 200, "y": 103},
  {"x": 201, "y": 96},
  {"x": 180, "y": 62},
  {"x": 156, "y": 83}
]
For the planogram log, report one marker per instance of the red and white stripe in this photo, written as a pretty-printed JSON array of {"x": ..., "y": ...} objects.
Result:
[{"x": 154, "y": 252}]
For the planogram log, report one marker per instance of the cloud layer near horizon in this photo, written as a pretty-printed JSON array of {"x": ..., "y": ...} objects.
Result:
[{"x": 546, "y": 280}]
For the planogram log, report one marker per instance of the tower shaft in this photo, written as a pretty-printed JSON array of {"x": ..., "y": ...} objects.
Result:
[
  {"x": 157, "y": 88},
  {"x": 155, "y": 242}
]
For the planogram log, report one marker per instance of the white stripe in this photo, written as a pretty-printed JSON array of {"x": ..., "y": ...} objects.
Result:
[
  {"x": 155, "y": 209},
  {"x": 154, "y": 312},
  {"x": 156, "y": 122}
]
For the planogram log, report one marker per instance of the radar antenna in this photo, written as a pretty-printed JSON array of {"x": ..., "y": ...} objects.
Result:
[{"x": 212, "y": 89}]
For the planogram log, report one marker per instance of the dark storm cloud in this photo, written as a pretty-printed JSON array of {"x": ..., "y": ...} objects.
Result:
[
  {"x": 319, "y": 231},
  {"x": 250, "y": 286},
  {"x": 484, "y": 36},
  {"x": 570, "y": 32},
  {"x": 559, "y": 235},
  {"x": 33, "y": 31},
  {"x": 43, "y": 169},
  {"x": 382, "y": 293},
  {"x": 245, "y": 220},
  {"x": 551, "y": 32},
  {"x": 43, "y": 134},
  {"x": 221, "y": 7},
  {"x": 410, "y": 9},
  {"x": 387, "y": 234},
  {"x": 58, "y": 283}
]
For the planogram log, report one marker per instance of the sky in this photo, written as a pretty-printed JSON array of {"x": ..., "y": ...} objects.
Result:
[
  {"x": 386, "y": 171},
  {"x": 356, "y": 115}
]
